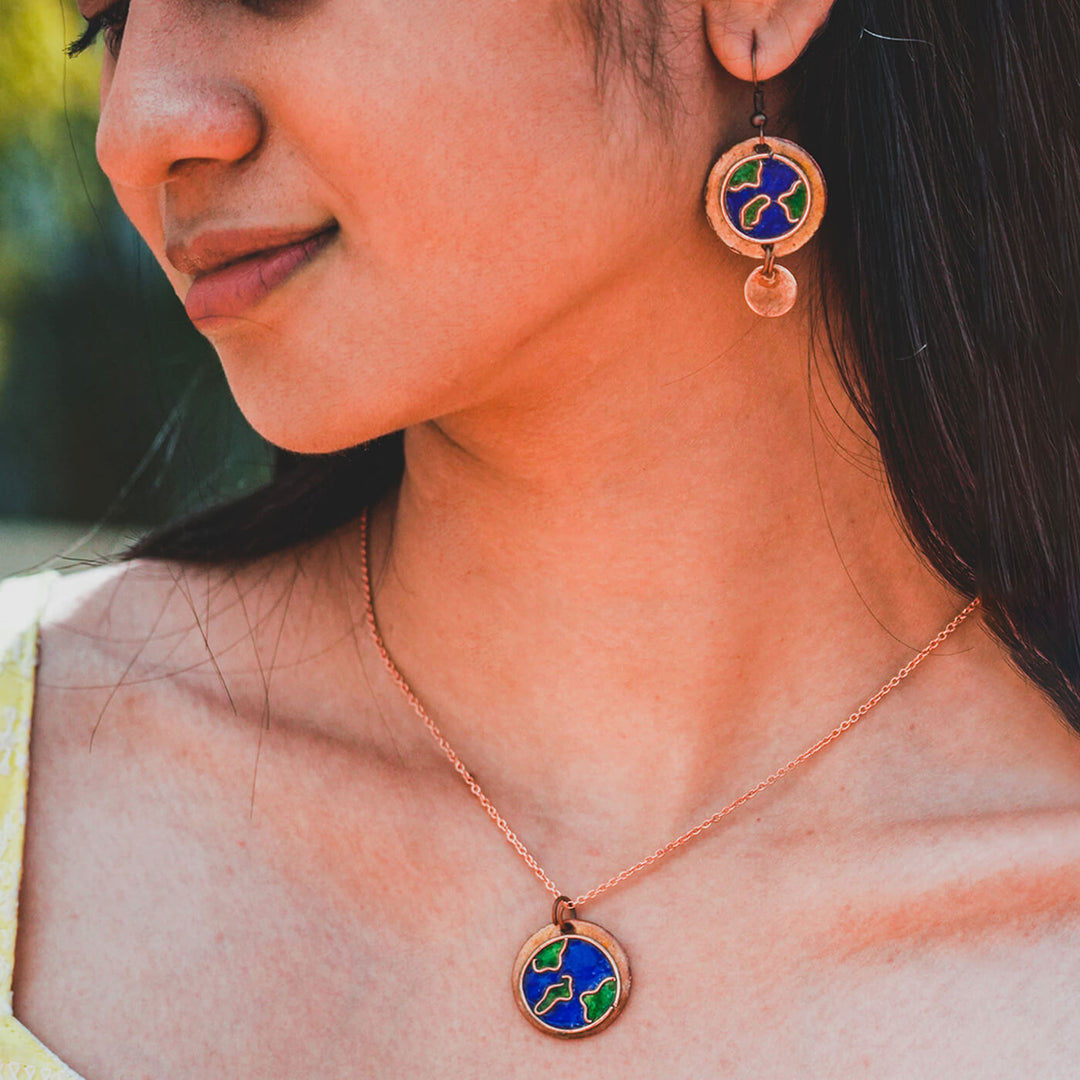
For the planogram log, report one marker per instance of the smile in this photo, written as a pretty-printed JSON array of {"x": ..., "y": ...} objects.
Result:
[{"x": 231, "y": 289}]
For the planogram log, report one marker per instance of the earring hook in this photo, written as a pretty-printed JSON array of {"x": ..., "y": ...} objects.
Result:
[{"x": 758, "y": 119}]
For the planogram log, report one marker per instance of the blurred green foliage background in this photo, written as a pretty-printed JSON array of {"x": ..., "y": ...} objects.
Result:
[{"x": 112, "y": 409}]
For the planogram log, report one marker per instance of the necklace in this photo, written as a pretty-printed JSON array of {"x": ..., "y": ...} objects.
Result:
[{"x": 572, "y": 978}]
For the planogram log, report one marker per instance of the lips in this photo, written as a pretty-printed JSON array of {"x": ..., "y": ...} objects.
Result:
[{"x": 235, "y": 270}]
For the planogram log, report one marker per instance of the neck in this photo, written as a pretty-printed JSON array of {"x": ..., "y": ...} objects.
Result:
[{"x": 665, "y": 574}]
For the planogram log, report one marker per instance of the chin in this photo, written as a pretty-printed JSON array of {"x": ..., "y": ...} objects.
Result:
[
  {"x": 321, "y": 393},
  {"x": 313, "y": 423},
  {"x": 302, "y": 433}
]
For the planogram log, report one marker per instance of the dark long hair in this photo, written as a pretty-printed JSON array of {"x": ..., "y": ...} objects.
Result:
[{"x": 949, "y": 131}]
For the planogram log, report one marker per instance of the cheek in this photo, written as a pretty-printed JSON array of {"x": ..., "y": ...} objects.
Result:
[
  {"x": 478, "y": 202},
  {"x": 470, "y": 157}
]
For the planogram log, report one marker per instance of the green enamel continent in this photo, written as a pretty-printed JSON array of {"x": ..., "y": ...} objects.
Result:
[
  {"x": 794, "y": 202},
  {"x": 550, "y": 957},
  {"x": 600, "y": 1000},
  {"x": 563, "y": 990},
  {"x": 746, "y": 175}
]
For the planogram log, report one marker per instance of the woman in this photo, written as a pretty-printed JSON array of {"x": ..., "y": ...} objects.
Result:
[{"x": 644, "y": 546}]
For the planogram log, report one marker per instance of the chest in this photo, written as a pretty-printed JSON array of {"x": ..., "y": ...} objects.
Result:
[
  {"x": 738, "y": 1002},
  {"x": 701, "y": 1005},
  {"x": 270, "y": 981},
  {"x": 340, "y": 936}
]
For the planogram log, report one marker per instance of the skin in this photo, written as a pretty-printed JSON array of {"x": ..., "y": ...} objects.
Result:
[{"x": 638, "y": 562}]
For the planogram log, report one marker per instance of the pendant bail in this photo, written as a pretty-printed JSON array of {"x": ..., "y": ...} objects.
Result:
[
  {"x": 768, "y": 269},
  {"x": 559, "y": 911}
]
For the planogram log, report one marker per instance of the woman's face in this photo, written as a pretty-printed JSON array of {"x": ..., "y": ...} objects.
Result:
[{"x": 447, "y": 191}]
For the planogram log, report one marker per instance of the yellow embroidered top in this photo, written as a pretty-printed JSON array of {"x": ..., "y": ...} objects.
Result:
[{"x": 22, "y": 1055}]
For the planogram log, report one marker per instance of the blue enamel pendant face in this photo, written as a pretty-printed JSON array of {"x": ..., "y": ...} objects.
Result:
[
  {"x": 765, "y": 197},
  {"x": 572, "y": 980},
  {"x": 765, "y": 194}
]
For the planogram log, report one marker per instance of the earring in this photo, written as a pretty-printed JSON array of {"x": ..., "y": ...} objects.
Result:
[{"x": 764, "y": 198}]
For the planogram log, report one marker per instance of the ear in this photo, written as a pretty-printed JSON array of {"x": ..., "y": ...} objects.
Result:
[{"x": 783, "y": 28}]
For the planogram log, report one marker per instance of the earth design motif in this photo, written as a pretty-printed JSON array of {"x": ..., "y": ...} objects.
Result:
[
  {"x": 570, "y": 985},
  {"x": 765, "y": 197}
]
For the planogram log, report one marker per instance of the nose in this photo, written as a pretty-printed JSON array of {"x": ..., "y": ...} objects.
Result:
[{"x": 171, "y": 100}]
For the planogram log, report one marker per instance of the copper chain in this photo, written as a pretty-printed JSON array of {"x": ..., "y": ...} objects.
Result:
[{"x": 679, "y": 841}]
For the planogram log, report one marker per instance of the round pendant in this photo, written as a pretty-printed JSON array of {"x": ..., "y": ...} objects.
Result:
[
  {"x": 771, "y": 295},
  {"x": 757, "y": 196},
  {"x": 571, "y": 980}
]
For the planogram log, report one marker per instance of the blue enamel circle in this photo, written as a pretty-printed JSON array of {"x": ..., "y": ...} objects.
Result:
[
  {"x": 570, "y": 984},
  {"x": 765, "y": 197}
]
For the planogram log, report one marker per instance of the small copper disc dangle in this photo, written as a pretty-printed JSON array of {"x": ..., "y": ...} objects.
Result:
[
  {"x": 770, "y": 290},
  {"x": 571, "y": 978},
  {"x": 766, "y": 197}
]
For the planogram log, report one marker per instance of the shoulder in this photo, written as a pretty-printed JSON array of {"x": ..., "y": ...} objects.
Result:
[
  {"x": 157, "y": 685},
  {"x": 132, "y": 683},
  {"x": 115, "y": 638},
  {"x": 168, "y": 635},
  {"x": 120, "y": 615},
  {"x": 156, "y": 676},
  {"x": 183, "y": 765}
]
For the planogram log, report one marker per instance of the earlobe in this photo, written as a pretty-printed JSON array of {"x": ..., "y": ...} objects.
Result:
[{"x": 782, "y": 28}]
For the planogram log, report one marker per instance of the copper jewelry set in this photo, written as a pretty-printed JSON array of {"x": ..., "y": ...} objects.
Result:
[{"x": 765, "y": 197}]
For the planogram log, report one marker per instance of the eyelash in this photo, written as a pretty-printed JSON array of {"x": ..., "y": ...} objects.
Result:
[{"x": 111, "y": 21}]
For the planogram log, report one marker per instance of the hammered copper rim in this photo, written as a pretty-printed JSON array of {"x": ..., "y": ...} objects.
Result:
[{"x": 749, "y": 148}]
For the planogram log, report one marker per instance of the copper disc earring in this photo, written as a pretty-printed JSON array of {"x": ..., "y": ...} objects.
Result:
[{"x": 765, "y": 198}]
